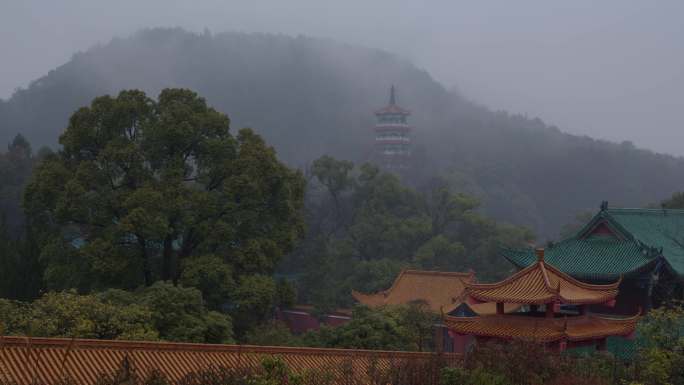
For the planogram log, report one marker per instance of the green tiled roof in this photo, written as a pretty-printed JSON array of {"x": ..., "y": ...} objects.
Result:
[
  {"x": 656, "y": 228},
  {"x": 644, "y": 237},
  {"x": 596, "y": 258}
]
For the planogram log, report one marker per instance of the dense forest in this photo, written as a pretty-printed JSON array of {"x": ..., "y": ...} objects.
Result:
[
  {"x": 156, "y": 220},
  {"x": 310, "y": 97}
]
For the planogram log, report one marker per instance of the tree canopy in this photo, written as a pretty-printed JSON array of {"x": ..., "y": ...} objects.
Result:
[
  {"x": 155, "y": 203},
  {"x": 141, "y": 186},
  {"x": 364, "y": 225}
]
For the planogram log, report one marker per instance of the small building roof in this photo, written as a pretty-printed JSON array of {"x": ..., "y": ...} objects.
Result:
[
  {"x": 541, "y": 329},
  {"x": 442, "y": 291},
  {"x": 617, "y": 241},
  {"x": 542, "y": 283}
]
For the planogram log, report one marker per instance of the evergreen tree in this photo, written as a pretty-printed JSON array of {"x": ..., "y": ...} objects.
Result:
[{"x": 142, "y": 186}]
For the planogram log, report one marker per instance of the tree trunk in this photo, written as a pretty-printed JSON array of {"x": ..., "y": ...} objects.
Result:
[
  {"x": 189, "y": 243},
  {"x": 168, "y": 267},
  {"x": 147, "y": 270}
]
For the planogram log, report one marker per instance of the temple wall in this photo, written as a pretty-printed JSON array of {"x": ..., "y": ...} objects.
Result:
[{"x": 300, "y": 321}]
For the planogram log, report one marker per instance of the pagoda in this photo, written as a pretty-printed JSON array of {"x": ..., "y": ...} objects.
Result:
[
  {"x": 554, "y": 310},
  {"x": 392, "y": 135}
]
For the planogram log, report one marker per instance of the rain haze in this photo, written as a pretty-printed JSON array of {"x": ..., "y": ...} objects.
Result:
[
  {"x": 612, "y": 69},
  {"x": 335, "y": 192}
]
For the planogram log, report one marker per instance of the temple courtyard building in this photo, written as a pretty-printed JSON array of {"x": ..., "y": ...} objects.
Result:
[
  {"x": 554, "y": 311},
  {"x": 443, "y": 292},
  {"x": 642, "y": 247}
]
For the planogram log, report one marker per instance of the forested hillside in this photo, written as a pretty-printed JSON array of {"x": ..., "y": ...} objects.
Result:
[
  {"x": 310, "y": 97},
  {"x": 157, "y": 202}
]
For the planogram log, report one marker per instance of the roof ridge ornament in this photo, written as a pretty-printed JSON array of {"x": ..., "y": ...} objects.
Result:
[
  {"x": 604, "y": 205},
  {"x": 393, "y": 100},
  {"x": 539, "y": 252}
]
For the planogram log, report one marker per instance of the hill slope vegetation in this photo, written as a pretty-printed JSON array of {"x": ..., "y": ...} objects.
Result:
[{"x": 310, "y": 97}]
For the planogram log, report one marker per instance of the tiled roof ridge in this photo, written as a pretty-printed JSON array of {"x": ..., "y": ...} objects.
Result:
[
  {"x": 437, "y": 272},
  {"x": 308, "y": 307},
  {"x": 613, "y": 318},
  {"x": 560, "y": 326},
  {"x": 612, "y": 217},
  {"x": 383, "y": 294},
  {"x": 604, "y": 215},
  {"x": 85, "y": 343},
  {"x": 495, "y": 285},
  {"x": 553, "y": 293},
  {"x": 642, "y": 211},
  {"x": 585, "y": 285},
  {"x": 517, "y": 317},
  {"x": 359, "y": 296},
  {"x": 394, "y": 283},
  {"x": 405, "y": 272},
  {"x": 571, "y": 239},
  {"x": 28, "y": 361},
  {"x": 547, "y": 281},
  {"x": 507, "y": 252}
]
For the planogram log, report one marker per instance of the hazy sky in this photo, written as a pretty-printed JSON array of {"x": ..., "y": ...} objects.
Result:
[{"x": 608, "y": 69}]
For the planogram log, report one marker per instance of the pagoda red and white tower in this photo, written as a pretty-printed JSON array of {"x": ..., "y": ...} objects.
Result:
[{"x": 392, "y": 135}]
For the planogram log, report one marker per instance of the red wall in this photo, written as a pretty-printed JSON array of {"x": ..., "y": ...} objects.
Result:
[{"x": 301, "y": 321}]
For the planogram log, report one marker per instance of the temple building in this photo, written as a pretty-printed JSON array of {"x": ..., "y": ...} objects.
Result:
[
  {"x": 643, "y": 246},
  {"x": 443, "y": 292},
  {"x": 392, "y": 136},
  {"x": 555, "y": 310}
]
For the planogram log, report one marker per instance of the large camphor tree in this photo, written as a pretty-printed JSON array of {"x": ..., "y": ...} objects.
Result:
[{"x": 143, "y": 190}]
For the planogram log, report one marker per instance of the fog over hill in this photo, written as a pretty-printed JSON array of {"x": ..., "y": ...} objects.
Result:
[{"x": 310, "y": 97}]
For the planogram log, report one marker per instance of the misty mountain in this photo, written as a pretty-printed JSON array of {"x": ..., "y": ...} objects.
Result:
[{"x": 310, "y": 97}]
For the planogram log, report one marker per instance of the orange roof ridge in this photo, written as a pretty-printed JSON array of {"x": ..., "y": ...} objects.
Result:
[
  {"x": 542, "y": 329},
  {"x": 53, "y": 360},
  {"x": 371, "y": 300},
  {"x": 613, "y": 318},
  {"x": 505, "y": 281},
  {"x": 585, "y": 285},
  {"x": 394, "y": 283},
  {"x": 437, "y": 272},
  {"x": 437, "y": 288},
  {"x": 545, "y": 275},
  {"x": 542, "y": 283},
  {"x": 470, "y": 274},
  {"x": 27, "y": 343}
]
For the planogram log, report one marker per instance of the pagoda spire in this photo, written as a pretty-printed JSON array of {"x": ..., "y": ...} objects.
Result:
[{"x": 393, "y": 100}]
